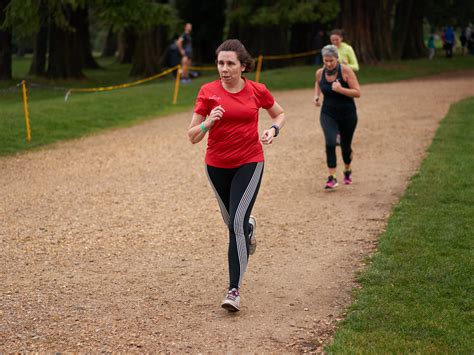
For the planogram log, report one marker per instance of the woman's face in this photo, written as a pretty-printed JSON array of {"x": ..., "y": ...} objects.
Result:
[
  {"x": 330, "y": 62},
  {"x": 336, "y": 40},
  {"x": 229, "y": 66}
]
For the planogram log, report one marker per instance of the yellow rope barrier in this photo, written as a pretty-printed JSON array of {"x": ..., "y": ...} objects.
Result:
[
  {"x": 203, "y": 68},
  {"x": 289, "y": 56},
  {"x": 259, "y": 68},
  {"x": 176, "y": 84},
  {"x": 122, "y": 86},
  {"x": 25, "y": 105}
]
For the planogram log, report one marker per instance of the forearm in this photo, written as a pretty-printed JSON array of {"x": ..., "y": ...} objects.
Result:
[
  {"x": 353, "y": 63},
  {"x": 354, "y": 66},
  {"x": 349, "y": 92},
  {"x": 279, "y": 120},
  {"x": 197, "y": 133},
  {"x": 317, "y": 91}
]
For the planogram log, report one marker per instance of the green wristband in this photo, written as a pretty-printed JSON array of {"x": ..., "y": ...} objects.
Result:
[{"x": 203, "y": 127}]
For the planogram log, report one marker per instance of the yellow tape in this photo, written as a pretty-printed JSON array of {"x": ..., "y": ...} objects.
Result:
[
  {"x": 203, "y": 68},
  {"x": 25, "y": 106},
  {"x": 289, "y": 56},
  {"x": 121, "y": 86},
  {"x": 176, "y": 84}
]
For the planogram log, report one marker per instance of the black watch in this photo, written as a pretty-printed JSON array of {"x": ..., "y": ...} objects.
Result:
[{"x": 277, "y": 130}]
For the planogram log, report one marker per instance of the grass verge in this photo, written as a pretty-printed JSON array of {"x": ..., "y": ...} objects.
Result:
[
  {"x": 52, "y": 119},
  {"x": 416, "y": 296}
]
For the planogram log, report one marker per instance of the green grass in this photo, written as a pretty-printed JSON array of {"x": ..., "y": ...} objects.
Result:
[
  {"x": 417, "y": 295},
  {"x": 52, "y": 119}
]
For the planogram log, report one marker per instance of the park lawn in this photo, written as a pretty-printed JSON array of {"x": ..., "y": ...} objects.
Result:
[
  {"x": 417, "y": 294},
  {"x": 52, "y": 119}
]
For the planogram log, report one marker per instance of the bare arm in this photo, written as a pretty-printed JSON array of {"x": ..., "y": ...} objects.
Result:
[
  {"x": 200, "y": 125},
  {"x": 278, "y": 117},
  {"x": 317, "y": 89},
  {"x": 351, "y": 79},
  {"x": 179, "y": 44}
]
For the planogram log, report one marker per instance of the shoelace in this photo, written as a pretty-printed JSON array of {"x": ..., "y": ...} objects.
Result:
[{"x": 233, "y": 294}]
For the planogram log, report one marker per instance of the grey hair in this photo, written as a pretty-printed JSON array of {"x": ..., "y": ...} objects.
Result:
[{"x": 330, "y": 51}]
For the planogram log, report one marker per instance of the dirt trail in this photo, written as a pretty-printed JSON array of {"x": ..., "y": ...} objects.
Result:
[{"x": 115, "y": 242}]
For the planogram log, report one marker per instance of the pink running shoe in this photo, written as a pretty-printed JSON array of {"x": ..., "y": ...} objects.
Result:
[
  {"x": 331, "y": 183},
  {"x": 232, "y": 301},
  {"x": 348, "y": 177}
]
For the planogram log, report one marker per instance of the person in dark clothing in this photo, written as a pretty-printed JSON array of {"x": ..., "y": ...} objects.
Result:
[
  {"x": 339, "y": 85},
  {"x": 185, "y": 47},
  {"x": 449, "y": 41}
]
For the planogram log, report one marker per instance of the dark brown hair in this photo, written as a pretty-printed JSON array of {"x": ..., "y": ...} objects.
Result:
[
  {"x": 338, "y": 32},
  {"x": 234, "y": 45}
]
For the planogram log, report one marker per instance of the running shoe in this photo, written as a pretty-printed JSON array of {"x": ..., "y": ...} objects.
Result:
[
  {"x": 331, "y": 183},
  {"x": 338, "y": 139},
  {"x": 347, "y": 177},
  {"x": 252, "y": 240},
  {"x": 232, "y": 301}
]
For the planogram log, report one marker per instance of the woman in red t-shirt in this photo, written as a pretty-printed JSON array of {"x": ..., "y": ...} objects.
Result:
[{"x": 228, "y": 109}]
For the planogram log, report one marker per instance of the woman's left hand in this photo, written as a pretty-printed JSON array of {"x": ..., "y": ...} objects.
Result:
[
  {"x": 336, "y": 85},
  {"x": 267, "y": 136}
]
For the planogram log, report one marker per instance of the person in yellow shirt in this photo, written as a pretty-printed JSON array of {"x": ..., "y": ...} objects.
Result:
[{"x": 346, "y": 53}]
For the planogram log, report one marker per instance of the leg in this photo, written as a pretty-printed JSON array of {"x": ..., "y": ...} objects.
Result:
[
  {"x": 244, "y": 190},
  {"x": 330, "y": 129},
  {"x": 221, "y": 180},
  {"x": 347, "y": 127}
]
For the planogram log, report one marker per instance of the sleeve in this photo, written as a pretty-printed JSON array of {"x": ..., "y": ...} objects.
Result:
[
  {"x": 202, "y": 104},
  {"x": 264, "y": 97},
  {"x": 353, "y": 63}
]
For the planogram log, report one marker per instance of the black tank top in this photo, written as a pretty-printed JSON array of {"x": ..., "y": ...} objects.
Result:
[{"x": 334, "y": 103}]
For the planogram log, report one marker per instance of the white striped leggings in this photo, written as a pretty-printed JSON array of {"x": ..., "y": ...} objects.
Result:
[{"x": 236, "y": 190}]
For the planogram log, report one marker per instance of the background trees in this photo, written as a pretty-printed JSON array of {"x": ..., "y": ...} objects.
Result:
[{"x": 64, "y": 33}]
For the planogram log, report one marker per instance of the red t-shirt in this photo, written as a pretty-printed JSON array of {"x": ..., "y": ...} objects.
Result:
[{"x": 234, "y": 139}]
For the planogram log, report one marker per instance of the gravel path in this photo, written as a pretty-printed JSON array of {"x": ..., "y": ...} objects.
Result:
[{"x": 114, "y": 242}]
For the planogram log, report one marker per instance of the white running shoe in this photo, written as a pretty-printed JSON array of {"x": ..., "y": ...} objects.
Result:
[
  {"x": 252, "y": 240},
  {"x": 232, "y": 301}
]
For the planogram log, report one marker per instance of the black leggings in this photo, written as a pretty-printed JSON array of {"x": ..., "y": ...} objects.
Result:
[
  {"x": 236, "y": 190},
  {"x": 346, "y": 126}
]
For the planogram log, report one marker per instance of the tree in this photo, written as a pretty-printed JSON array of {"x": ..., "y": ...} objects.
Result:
[
  {"x": 40, "y": 47},
  {"x": 144, "y": 26},
  {"x": 208, "y": 18},
  {"x": 5, "y": 44},
  {"x": 61, "y": 35},
  {"x": 265, "y": 26},
  {"x": 408, "y": 30}
]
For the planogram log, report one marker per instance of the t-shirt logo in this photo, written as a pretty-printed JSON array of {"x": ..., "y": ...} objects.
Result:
[{"x": 215, "y": 97}]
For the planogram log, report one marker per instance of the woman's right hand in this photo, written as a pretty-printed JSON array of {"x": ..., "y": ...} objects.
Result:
[
  {"x": 317, "y": 101},
  {"x": 215, "y": 115}
]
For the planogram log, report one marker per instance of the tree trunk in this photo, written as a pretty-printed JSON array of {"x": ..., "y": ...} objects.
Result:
[
  {"x": 149, "y": 48},
  {"x": 265, "y": 40},
  {"x": 38, "y": 64},
  {"x": 414, "y": 44},
  {"x": 356, "y": 20},
  {"x": 110, "y": 45},
  {"x": 83, "y": 36},
  {"x": 126, "y": 46},
  {"x": 65, "y": 50},
  {"x": 401, "y": 26},
  {"x": 5, "y": 45},
  {"x": 303, "y": 39},
  {"x": 381, "y": 14}
]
